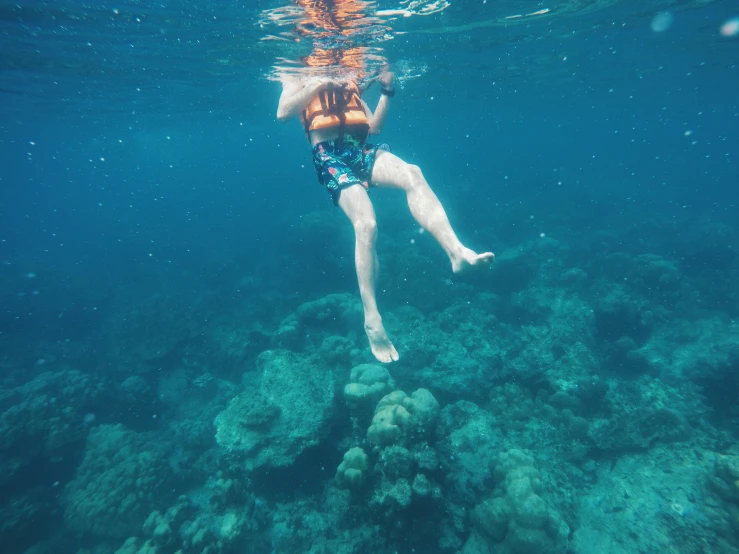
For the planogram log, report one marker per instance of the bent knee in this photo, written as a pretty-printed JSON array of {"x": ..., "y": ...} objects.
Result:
[
  {"x": 365, "y": 228},
  {"x": 414, "y": 171},
  {"x": 413, "y": 176}
]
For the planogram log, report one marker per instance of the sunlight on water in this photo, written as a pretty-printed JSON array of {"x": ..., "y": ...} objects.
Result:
[
  {"x": 342, "y": 41},
  {"x": 76, "y": 51}
]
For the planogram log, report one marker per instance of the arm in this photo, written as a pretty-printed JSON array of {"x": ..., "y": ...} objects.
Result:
[
  {"x": 296, "y": 96},
  {"x": 377, "y": 119}
]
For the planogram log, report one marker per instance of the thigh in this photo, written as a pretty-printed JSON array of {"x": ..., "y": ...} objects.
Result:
[
  {"x": 355, "y": 203},
  {"x": 334, "y": 174},
  {"x": 390, "y": 171}
]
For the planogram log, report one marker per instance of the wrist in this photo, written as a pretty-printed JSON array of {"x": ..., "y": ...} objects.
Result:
[{"x": 387, "y": 91}]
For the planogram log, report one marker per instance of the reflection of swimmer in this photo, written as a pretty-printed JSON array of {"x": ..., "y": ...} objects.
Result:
[
  {"x": 337, "y": 123},
  {"x": 331, "y": 17},
  {"x": 336, "y": 29}
]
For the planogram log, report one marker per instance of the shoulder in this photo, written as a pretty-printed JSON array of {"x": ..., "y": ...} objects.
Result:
[{"x": 291, "y": 84}]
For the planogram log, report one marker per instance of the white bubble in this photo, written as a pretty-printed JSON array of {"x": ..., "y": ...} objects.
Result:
[
  {"x": 730, "y": 28},
  {"x": 542, "y": 235},
  {"x": 662, "y": 21}
]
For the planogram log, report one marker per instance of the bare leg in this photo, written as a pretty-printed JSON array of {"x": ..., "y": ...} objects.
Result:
[
  {"x": 392, "y": 172},
  {"x": 357, "y": 206}
]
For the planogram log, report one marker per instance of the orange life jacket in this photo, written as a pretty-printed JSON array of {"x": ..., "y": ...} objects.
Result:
[{"x": 335, "y": 106}]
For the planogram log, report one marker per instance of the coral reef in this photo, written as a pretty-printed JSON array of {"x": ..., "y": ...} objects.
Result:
[
  {"x": 579, "y": 398},
  {"x": 226, "y": 523},
  {"x": 43, "y": 427},
  {"x": 723, "y": 498},
  {"x": 121, "y": 477}
]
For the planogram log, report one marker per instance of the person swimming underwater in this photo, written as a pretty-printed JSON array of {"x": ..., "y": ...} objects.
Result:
[{"x": 337, "y": 123}]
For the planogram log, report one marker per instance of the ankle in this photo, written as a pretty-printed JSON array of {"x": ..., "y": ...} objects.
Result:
[
  {"x": 456, "y": 253},
  {"x": 372, "y": 320}
]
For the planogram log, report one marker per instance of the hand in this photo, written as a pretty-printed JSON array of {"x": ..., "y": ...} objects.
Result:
[
  {"x": 321, "y": 81},
  {"x": 317, "y": 83},
  {"x": 386, "y": 80}
]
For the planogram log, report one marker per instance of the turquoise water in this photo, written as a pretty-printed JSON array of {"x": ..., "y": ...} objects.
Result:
[{"x": 183, "y": 365}]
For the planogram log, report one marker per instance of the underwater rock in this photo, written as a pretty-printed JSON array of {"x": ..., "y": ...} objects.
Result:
[
  {"x": 454, "y": 350},
  {"x": 214, "y": 526},
  {"x": 471, "y": 441},
  {"x": 655, "y": 498},
  {"x": 723, "y": 507},
  {"x": 640, "y": 413},
  {"x": 395, "y": 461},
  {"x": 704, "y": 351},
  {"x": 391, "y": 496},
  {"x": 232, "y": 348},
  {"x": 726, "y": 479},
  {"x": 619, "y": 313},
  {"x": 47, "y": 414},
  {"x": 422, "y": 487},
  {"x": 290, "y": 411},
  {"x": 340, "y": 352},
  {"x": 313, "y": 321}
]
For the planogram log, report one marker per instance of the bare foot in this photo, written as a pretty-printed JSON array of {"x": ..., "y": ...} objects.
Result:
[
  {"x": 380, "y": 344},
  {"x": 469, "y": 260}
]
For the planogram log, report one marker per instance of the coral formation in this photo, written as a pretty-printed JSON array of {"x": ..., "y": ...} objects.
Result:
[
  {"x": 398, "y": 416},
  {"x": 519, "y": 519},
  {"x": 354, "y": 469},
  {"x": 367, "y": 384}
]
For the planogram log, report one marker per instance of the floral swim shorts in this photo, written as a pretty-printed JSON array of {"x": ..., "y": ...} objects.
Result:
[{"x": 340, "y": 164}]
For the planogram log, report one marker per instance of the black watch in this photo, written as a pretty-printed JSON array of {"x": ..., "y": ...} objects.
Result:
[{"x": 388, "y": 93}]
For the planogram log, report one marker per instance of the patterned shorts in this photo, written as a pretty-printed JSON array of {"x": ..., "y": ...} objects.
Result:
[{"x": 340, "y": 164}]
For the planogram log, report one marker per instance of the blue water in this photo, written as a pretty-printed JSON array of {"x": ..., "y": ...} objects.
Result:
[{"x": 165, "y": 248}]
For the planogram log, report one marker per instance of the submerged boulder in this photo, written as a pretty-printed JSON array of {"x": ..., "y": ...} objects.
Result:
[{"x": 290, "y": 411}]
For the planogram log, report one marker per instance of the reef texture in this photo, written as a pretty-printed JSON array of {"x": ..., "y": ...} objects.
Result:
[{"x": 578, "y": 398}]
